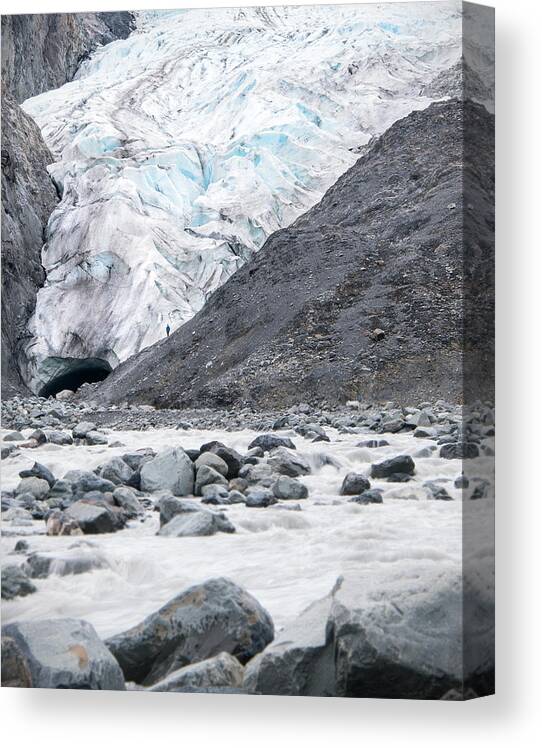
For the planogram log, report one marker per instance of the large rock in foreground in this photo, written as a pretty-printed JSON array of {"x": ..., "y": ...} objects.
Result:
[
  {"x": 204, "y": 620},
  {"x": 398, "y": 636},
  {"x": 61, "y": 653}
]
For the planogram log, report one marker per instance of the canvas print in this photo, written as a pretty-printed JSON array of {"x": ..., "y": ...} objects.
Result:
[{"x": 247, "y": 351}]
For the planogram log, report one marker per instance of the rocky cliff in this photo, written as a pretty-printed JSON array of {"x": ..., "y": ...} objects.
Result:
[
  {"x": 38, "y": 52},
  {"x": 43, "y": 51},
  {"x": 368, "y": 293}
]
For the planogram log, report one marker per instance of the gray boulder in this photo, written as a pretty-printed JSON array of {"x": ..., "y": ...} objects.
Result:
[
  {"x": 459, "y": 451},
  {"x": 207, "y": 476},
  {"x": 289, "y": 488},
  {"x": 95, "y": 438},
  {"x": 171, "y": 470},
  {"x": 286, "y": 462},
  {"x": 193, "y": 524},
  {"x": 126, "y": 499},
  {"x": 213, "y": 461},
  {"x": 82, "y": 429},
  {"x": 94, "y": 519},
  {"x": 259, "y": 498},
  {"x": 215, "y": 494},
  {"x": 354, "y": 484},
  {"x": 403, "y": 464},
  {"x": 376, "y": 639},
  {"x": 203, "y": 621},
  {"x": 38, "y": 471},
  {"x": 267, "y": 442},
  {"x": 15, "y": 583},
  {"x": 77, "y": 560},
  {"x": 231, "y": 457},
  {"x": 38, "y": 487},
  {"x": 371, "y": 496},
  {"x": 116, "y": 470},
  {"x": 61, "y": 438},
  {"x": 14, "y": 436},
  {"x": 59, "y": 653},
  {"x": 222, "y": 671},
  {"x": 170, "y": 506},
  {"x": 260, "y": 474}
]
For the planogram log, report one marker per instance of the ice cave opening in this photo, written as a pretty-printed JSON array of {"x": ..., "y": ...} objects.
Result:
[{"x": 71, "y": 373}]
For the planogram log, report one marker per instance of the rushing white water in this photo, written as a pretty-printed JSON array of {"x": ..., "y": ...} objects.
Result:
[
  {"x": 182, "y": 148},
  {"x": 287, "y": 559}
]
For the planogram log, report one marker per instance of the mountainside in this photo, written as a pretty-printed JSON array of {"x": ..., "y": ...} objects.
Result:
[
  {"x": 38, "y": 52},
  {"x": 363, "y": 295},
  {"x": 43, "y": 51},
  {"x": 28, "y": 199},
  {"x": 181, "y": 149}
]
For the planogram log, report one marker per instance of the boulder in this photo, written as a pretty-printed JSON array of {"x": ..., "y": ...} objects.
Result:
[
  {"x": 459, "y": 451},
  {"x": 436, "y": 491},
  {"x": 170, "y": 506},
  {"x": 126, "y": 499},
  {"x": 260, "y": 474},
  {"x": 94, "y": 519},
  {"x": 14, "y": 436},
  {"x": 95, "y": 438},
  {"x": 64, "y": 395},
  {"x": 193, "y": 524},
  {"x": 286, "y": 462},
  {"x": 230, "y": 456},
  {"x": 205, "y": 476},
  {"x": 267, "y": 442},
  {"x": 61, "y": 438},
  {"x": 77, "y": 560},
  {"x": 215, "y": 494},
  {"x": 373, "y": 443},
  {"x": 38, "y": 471},
  {"x": 82, "y": 429},
  {"x": 289, "y": 488},
  {"x": 354, "y": 484},
  {"x": 203, "y": 621},
  {"x": 38, "y": 487},
  {"x": 83, "y": 481},
  {"x": 171, "y": 470},
  {"x": 136, "y": 459},
  {"x": 222, "y": 671},
  {"x": 213, "y": 461},
  {"x": 15, "y": 583},
  {"x": 371, "y": 496},
  {"x": 116, "y": 470},
  {"x": 259, "y": 498},
  {"x": 397, "y": 634},
  {"x": 402, "y": 464},
  {"x": 57, "y": 653}
]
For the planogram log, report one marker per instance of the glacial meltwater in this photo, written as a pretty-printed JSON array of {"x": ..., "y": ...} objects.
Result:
[{"x": 285, "y": 557}]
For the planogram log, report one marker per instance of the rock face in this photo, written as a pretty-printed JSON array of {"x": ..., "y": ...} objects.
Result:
[
  {"x": 63, "y": 653},
  {"x": 39, "y": 52},
  {"x": 43, "y": 51},
  {"x": 383, "y": 249},
  {"x": 28, "y": 199},
  {"x": 205, "y": 620},
  {"x": 360, "y": 642}
]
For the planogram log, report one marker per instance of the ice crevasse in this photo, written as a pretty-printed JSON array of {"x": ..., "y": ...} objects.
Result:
[{"x": 179, "y": 150}]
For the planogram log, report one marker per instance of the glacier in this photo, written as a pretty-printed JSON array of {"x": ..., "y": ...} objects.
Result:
[{"x": 180, "y": 149}]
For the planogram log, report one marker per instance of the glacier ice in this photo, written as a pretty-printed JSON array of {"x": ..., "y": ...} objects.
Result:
[{"x": 179, "y": 150}]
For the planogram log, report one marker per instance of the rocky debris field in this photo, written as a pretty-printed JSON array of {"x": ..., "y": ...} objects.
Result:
[{"x": 239, "y": 494}]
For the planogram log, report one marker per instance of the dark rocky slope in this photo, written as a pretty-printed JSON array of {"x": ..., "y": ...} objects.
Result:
[
  {"x": 43, "y": 50},
  {"x": 28, "y": 198},
  {"x": 39, "y": 52},
  {"x": 364, "y": 295}
]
